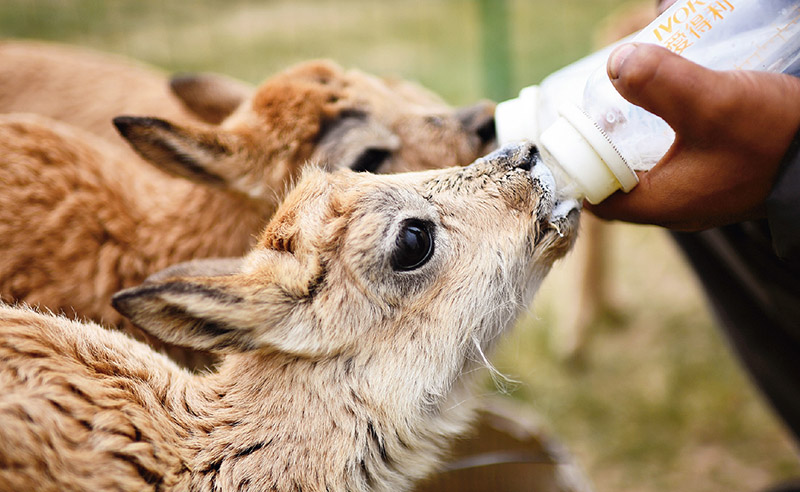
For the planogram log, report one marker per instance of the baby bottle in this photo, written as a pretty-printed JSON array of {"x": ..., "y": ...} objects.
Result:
[{"x": 593, "y": 140}]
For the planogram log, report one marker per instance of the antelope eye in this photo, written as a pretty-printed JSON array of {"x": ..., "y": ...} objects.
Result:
[
  {"x": 413, "y": 245},
  {"x": 370, "y": 160}
]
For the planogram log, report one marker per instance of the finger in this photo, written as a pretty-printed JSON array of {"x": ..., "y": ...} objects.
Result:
[
  {"x": 676, "y": 89},
  {"x": 658, "y": 199},
  {"x": 634, "y": 206}
]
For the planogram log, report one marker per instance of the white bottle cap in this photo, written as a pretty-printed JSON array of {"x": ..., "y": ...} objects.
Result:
[
  {"x": 515, "y": 119},
  {"x": 584, "y": 152}
]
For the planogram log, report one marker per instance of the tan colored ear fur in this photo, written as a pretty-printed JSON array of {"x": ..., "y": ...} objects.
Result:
[
  {"x": 241, "y": 154},
  {"x": 208, "y": 267},
  {"x": 193, "y": 153},
  {"x": 211, "y": 97},
  {"x": 231, "y": 313},
  {"x": 181, "y": 312},
  {"x": 257, "y": 302},
  {"x": 224, "y": 314}
]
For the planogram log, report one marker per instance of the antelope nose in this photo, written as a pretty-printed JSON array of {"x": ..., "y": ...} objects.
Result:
[{"x": 521, "y": 155}]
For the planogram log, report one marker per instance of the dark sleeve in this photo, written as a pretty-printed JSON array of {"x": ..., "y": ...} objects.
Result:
[{"x": 783, "y": 206}]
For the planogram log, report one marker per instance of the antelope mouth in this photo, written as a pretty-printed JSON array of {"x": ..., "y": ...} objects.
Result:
[{"x": 557, "y": 203}]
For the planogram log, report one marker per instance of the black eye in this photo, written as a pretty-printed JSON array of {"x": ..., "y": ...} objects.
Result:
[
  {"x": 370, "y": 160},
  {"x": 413, "y": 246}
]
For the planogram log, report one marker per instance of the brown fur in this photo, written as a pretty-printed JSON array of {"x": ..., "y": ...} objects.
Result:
[
  {"x": 131, "y": 219},
  {"x": 77, "y": 225},
  {"x": 340, "y": 371},
  {"x": 82, "y": 87},
  {"x": 88, "y": 89}
]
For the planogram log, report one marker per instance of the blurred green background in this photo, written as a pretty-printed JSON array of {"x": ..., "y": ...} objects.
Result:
[
  {"x": 439, "y": 43},
  {"x": 655, "y": 402}
]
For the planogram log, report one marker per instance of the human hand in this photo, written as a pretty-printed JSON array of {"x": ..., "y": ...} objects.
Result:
[
  {"x": 731, "y": 130},
  {"x": 664, "y": 5}
]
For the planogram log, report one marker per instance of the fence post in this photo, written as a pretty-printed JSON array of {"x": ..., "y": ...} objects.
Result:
[{"x": 495, "y": 49}]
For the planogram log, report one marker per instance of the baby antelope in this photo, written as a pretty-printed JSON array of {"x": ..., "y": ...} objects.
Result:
[
  {"x": 348, "y": 339},
  {"x": 81, "y": 217}
]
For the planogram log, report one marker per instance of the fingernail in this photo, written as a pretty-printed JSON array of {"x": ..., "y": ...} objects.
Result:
[{"x": 616, "y": 59}]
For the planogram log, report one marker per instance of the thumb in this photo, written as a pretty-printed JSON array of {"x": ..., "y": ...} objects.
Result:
[{"x": 662, "y": 82}]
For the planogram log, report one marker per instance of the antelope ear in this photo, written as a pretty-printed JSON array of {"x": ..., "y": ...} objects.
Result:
[
  {"x": 266, "y": 306},
  {"x": 211, "y": 97},
  {"x": 209, "y": 267},
  {"x": 193, "y": 153},
  {"x": 187, "y": 311}
]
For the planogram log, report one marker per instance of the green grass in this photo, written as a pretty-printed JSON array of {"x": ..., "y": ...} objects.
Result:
[{"x": 659, "y": 403}]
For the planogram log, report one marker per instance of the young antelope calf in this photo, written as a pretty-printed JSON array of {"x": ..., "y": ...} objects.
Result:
[
  {"x": 349, "y": 335},
  {"x": 68, "y": 197}
]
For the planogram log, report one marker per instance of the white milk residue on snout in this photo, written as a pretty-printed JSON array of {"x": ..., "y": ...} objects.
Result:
[{"x": 564, "y": 200}]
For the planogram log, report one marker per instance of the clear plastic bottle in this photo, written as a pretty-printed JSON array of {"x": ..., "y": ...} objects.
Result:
[{"x": 593, "y": 140}]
